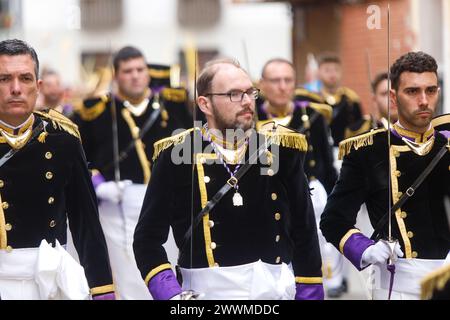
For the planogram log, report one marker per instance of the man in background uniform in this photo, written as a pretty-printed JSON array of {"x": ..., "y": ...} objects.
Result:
[
  {"x": 44, "y": 182},
  {"x": 380, "y": 96},
  {"x": 420, "y": 224},
  {"x": 278, "y": 104},
  {"x": 141, "y": 116}
]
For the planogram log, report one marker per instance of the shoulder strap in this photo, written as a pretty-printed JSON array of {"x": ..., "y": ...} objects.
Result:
[{"x": 409, "y": 192}]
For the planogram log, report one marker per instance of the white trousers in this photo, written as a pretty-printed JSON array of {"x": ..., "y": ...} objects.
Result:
[
  {"x": 407, "y": 278},
  {"x": 118, "y": 226},
  {"x": 332, "y": 260},
  {"x": 253, "y": 281},
  {"x": 43, "y": 273}
]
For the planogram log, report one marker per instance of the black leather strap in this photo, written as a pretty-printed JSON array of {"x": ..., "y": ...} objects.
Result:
[
  {"x": 225, "y": 188},
  {"x": 409, "y": 193}
]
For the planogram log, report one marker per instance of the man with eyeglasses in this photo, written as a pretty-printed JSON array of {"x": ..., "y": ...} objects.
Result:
[
  {"x": 257, "y": 241},
  {"x": 279, "y": 104}
]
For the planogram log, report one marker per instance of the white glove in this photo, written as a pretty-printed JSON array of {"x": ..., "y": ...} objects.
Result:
[
  {"x": 111, "y": 190},
  {"x": 379, "y": 253}
]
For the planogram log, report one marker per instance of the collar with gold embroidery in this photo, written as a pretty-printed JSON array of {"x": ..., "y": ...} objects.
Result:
[
  {"x": 16, "y": 137},
  {"x": 411, "y": 135},
  {"x": 273, "y": 112}
]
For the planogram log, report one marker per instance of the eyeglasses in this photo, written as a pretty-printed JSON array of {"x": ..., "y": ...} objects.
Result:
[{"x": 238, "y": 95}]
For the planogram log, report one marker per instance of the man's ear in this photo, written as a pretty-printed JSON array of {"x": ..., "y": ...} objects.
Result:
[
  {"x": 205, "y": 105},
  {"x": 393, "y": 98}
]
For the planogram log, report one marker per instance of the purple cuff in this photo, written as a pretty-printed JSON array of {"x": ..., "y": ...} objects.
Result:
[
  {"x": 97, "y": 179},
  {"x": 445, "y": 133},
  {"x": 309, "y": 291},
  {"x": 354, "y": 248},
  {"x": 164, "y": 285},
  {"x": 106, "y": 296}
]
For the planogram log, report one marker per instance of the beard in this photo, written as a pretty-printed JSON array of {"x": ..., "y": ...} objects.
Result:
[{"x": 224, "y": 124}]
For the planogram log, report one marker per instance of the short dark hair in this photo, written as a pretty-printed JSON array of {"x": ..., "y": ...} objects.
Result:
[
  {"x": 279, "y": 60},
  {"x": 418, "y": 62},
  {"x": 378, "y": 78},
  {"x": 206, "y": 76},
  {"x": 328, "y": 57},
  {"x": 124, "y": 54},
  {"x": 16, "y": 47}
]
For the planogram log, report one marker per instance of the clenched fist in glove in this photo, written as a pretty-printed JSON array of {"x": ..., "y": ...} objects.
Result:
[
  {"x": 379, "y": 253},
  {"x": 111, "y": 191}
]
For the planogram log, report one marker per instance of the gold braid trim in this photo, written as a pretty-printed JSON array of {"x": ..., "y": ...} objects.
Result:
[
  {"x": 435, "y": 280},
  {"x": 91, "y": 113},
  {"x": 304, "y": 92},
  {"x": 60, "y": 122},
  {"x": 163, "y": 144},
  {"x": 352, "y": 95},
  {"x": 288, "y": 139},
  {"x": 440, "y": 120},
  {"x": 365, "y": 126},
  {"x": 324, "y": 109},
  {"x": 366, "y": 139},
  {"x": 175, "y": 95}
]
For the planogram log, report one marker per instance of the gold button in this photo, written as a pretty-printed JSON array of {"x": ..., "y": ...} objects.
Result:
[
  {"x": 8, "y": 248},
  {"x": 49, "y": 175},
  {"x": 397, "y": 173},
  {"x": 277, "y": 260},
  {"x": 403, "y": 215},
  {"x": 2, "y": 183},
  {"x": 310, "y": 148},
  {"x": 274, "y": 196},
  {"x": 51, "y": 200},
  {"x": 48, "y": 155},
  {"x": 277, "y": 216},
  {"x": 206, "y": 179},
  {"x": 216, "y": 264},
  {"x": 270, "y": 172},
  {"x": 211, "y": 223},
  {"x": 312, "y": 178},
  {"x": 312, "y": 163},
  {"x": 399, "y": 194},
  {"x": 5, "y": 205},
  {"x": 213, "y": 245},
  {"x": 410, "y": 234},
  {"x": 414, "y": 254},
  {"x": 277, "y": 238},
  {"x": 8, "y": 227},
  {"x": 52, "y": 224}
]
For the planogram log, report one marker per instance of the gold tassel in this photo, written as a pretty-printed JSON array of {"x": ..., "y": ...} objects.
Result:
[
  {"x": 42, "y": 137},
  {"x": 163, "y": 144},
  {"x": 435, "y": 280},
  {"x": 346, "y": 146},
  {"x": 289, "y": 140}
]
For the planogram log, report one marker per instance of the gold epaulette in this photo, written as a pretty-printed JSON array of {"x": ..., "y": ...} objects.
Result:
[
  {"x": 352, "y": 95},
  {"x": 60, "y": 122},
  {"x": 287, "y": 138},
  {"x": 441, "y": 120},
  {"x": 365, "y": 126},
  {"x": 306, "y": 93},
  {"x": 363, "y": 140},
  {"x": 174, "y": 94},
  {"x": 324, "y": 109},
  {"x": 163, "y": 144},
  {"x": 92, "y": 112},
  {"x": 436, "y": 280}
]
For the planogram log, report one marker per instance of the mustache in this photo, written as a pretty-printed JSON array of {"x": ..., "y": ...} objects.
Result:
[
  {"x": 245, "y": 111},
  {"x": 427, "y": 110}
]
